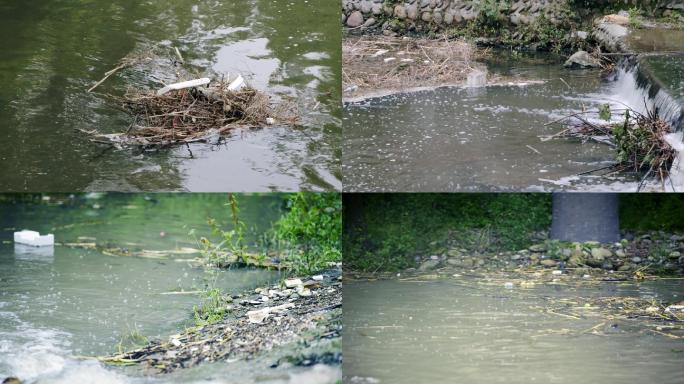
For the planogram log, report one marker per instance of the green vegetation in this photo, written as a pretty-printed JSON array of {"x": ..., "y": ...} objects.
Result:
[
  {"x": 231, "y": 248},
  {"x": 211, "y": 309},
  {"x": 311, "y": 231},
  {"x": 133, "y": 339},
  {"x": 306, "y": 236},
  {"x": 652, "y": 212},
  {"x": 541, "y": 35},
  {"x": 384, "y": 232}
]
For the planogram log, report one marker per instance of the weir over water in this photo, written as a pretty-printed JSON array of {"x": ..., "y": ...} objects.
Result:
[{"x": 488, "y": 138}]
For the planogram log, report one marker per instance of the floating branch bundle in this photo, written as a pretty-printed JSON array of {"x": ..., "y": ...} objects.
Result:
[
  {"x": 640, "y": 140},
  {"x": 193, "y": 110}
]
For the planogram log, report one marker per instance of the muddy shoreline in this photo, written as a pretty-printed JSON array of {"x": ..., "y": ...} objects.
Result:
[{"x": 306, "y": 314}]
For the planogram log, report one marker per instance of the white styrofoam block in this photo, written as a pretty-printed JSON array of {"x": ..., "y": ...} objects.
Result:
[
  {"x": 237, "y": 84},
  {"x": 34, "y": 239},
  {"x": 183, "y": 85}
]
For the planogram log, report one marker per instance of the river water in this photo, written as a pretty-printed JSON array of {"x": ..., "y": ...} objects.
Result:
[
  {"x": 457, "y": 330},
  {"x": 489, "y": 138},
  {"x": 75, "y": 302},
  {"x": 57, "y": 49}
]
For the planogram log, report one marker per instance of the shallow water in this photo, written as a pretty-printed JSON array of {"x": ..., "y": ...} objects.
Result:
[
  {"x": 56, "y": 50},
  {"x": 487, "y": 138},
  {"x": 77, "y": 302},
  {"x": 457, "y": 330}
]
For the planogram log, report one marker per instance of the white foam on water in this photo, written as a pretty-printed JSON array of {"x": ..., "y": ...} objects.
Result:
[
  {"x": 29, "y": 353},
  {"x": 319, "y": 374},
  {"x": 84, "y": 373},
  {"x": 676, "y": 177}
]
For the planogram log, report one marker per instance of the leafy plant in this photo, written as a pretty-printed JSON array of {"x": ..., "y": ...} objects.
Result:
[
  {"x": 311, "y": 230},
  {"x": 232, "y": 246},
  {"x": 211, "y": 309}
]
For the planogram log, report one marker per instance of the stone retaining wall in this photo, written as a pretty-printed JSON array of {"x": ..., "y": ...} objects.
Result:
[{"x": 445, "y": 13}]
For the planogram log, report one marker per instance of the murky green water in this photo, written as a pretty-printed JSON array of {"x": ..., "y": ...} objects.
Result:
[
  {"x": 488, "y": 138},
  {"x": 458, "y": 331},
  {"x": 80, "y": 302},
  {"x": 55, "y": 50}
]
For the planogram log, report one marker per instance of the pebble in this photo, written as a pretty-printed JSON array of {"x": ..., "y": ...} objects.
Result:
[
  {"x": 556, "y": 272},
  {"x": 509, "y": 285},
  {"x": 292, "y": 283}
]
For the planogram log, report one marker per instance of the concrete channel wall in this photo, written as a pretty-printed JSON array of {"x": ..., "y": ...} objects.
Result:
[{"x": 445, "y": 13}]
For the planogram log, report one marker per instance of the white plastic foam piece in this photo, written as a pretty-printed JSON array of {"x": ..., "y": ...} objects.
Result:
[
  {"x": 34, "y": 239},
  {"x": 237, "y": 83},
  {"x": 183, "y": 85}
]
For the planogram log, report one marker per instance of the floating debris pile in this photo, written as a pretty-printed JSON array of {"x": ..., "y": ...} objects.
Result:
[
  {"x": 191, "y": 110},
  {"x": 373, "y": 63},
  {"x": 298, "y": 311},
  {"x": 640, "y": 140}
]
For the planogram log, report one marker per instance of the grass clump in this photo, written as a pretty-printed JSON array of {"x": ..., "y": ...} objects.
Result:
[
  {"x": 211, "y": 309},
  {"x": 311, "y": 231}
]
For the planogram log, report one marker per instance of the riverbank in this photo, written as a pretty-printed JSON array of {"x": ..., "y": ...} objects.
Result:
[
  {"x": 636, "y": 257},
  {"x": 302, "y": 314}
]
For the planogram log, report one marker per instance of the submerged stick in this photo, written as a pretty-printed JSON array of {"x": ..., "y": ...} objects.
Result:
[{"x": 109, "y": 73}]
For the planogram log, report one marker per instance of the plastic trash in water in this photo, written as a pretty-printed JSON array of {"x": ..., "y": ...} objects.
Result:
[
  {"x": 237, "y": 83},
  {"x": 477, "y": 78},
  {"x": 34, "y": 239},
  {"x": 183, "y": 85}
]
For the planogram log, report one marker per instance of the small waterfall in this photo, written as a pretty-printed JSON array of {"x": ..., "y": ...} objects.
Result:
[{"x": 637, "y": 87}]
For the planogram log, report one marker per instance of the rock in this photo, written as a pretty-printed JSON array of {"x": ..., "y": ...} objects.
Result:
[
  {"x": 582, "y": 35},
  {"x": 292, "y": 283},
  {"x": 355, "y": 20},
  {"x": 454, "y": 253},
  {"x": 317, "y": 278},
  {"x": 400, "y": 12},
  {"x": 620, "y": 253},
  {"x": 426, "y": 17},
  {"x": 11, "y": 380},
  {"x": 538, "y": 248},
  {"x": 575, "y": 261},
  {"x": 616, "y": 19},
  {"x": 428, "y": 265},
  {"x": 636, "y": 259},
  {"x": 509, "y": 285},
  {"x": 607, "y": 265},
  {"x": 674, "y": 255},
  {"x": 369, "y": 22},
  {"x": 581, "y": 59},
  {"x": 611, "y": 36},
  {"x": 600, "y": 253},
  {"x": 303, "y": 292},
  {"x": 556, "y": 273},
  {"x": 548, "y": 263}
]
